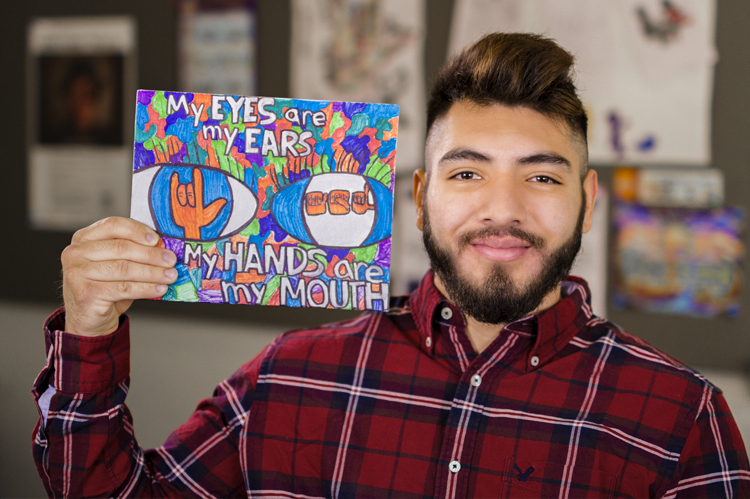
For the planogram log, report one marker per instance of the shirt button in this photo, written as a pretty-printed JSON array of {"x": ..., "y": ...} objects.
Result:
[
  {"x": 446, "y": 313},
  {"x": 454, "y": 466},
  {"x": 535, "y": 361},
  {"x": 428, "y": 341},
  {"x": 476, "y": 380}
]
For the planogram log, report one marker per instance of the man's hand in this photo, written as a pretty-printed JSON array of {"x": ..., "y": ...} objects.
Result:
[{"x": 108, "y": 265}]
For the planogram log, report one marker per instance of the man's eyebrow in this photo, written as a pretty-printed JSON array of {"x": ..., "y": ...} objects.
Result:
[
  {"x": 464, "y": 154},
  {"x": 546, "y": 158}
]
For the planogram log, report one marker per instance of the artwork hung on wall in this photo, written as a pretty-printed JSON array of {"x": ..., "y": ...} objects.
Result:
[
  {"x": 217, "y": 46},
  {"x": 644, "y": 69},
  {"x": 678, "y": 261},
  {"x": 364, "y": 50},
  {"x": 81, "y": 74},
  {"x": 268, "y": 201}
]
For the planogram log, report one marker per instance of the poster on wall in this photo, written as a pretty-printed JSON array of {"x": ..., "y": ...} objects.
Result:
[
  {"x": 672, "y": 261},
  {"x": 644, "y": 69},
  {"x": 364, "y": 50},
  {"x": 80, "y": 74},
  {"x": 217, "y": 46},
  {"x": 269, "y": 201}
]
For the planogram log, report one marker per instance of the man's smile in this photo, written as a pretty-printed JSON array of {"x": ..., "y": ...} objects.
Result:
[{"x": 500, "y": 248}]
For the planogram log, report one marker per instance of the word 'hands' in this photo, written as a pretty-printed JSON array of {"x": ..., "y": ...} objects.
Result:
[
  {"x": 187, "y": 205},
  {"x": 108, "y": 265}
]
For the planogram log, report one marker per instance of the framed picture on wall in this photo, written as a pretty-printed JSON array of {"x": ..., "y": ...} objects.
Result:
[{"x": 80, "y": 87}]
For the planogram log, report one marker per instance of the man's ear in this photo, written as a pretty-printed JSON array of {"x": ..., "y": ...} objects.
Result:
[
  {"x": 420, "y": 184},
  {"x": 590, "y": 189}
]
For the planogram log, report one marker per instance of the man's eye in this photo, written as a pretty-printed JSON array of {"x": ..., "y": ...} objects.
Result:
[
  {"x": 545, "y": 179},
  {"x": 465, "y": 176}
]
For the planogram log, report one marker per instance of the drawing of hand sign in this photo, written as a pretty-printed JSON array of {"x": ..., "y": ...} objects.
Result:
[
  {"x": 187, "y": 205},
  {"x": 361, "y": 201}
]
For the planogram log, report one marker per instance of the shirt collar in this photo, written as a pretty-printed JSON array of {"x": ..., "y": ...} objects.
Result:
[{"x": 551, "y": 329}]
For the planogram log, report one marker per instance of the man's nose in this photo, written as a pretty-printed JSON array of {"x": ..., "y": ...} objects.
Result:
[{"x": 502, "y": 203}]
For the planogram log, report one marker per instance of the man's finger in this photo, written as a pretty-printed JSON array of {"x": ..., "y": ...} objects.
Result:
[
  {"x": 125, "y": 271},
  {"x": 117, "y": 228},
  {"x": 123, "y": 249},
  {"x": 113, "y": 292}
]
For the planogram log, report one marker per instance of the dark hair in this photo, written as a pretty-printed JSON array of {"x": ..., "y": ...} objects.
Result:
[{"x": 514, "y": 69}]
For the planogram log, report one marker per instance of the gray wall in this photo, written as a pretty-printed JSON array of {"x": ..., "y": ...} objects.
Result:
[
  {"x": 34, "y": 275},
  {"x": 171, "y": 368}
]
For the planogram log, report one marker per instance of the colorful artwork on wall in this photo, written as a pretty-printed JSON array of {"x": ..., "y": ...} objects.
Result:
[
  {"x": 269, "y": 201},
  {"x": 678, "y": 261}
]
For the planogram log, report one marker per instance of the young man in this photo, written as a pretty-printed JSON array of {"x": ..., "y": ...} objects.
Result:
[{"x": 492, "y": 379}]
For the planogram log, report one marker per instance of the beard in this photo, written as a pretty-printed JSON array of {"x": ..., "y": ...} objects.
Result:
[{"x": 500, "y": 300}]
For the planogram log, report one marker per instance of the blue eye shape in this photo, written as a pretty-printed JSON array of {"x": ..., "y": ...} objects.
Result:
[
  {"x": 335, "y": 210},
  {"x": 191, "y": 202}
]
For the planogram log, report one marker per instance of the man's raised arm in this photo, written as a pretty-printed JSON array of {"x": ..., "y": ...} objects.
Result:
[{"x": 84, "y": 443}]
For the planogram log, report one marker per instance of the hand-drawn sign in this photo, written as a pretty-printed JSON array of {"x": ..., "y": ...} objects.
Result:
[
  {"x": 268, "y": 201},
  {"x": 191, "y": 202}
]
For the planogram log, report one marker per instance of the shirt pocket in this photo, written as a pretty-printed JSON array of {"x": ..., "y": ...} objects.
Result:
[{"x": 544, "y": 479}]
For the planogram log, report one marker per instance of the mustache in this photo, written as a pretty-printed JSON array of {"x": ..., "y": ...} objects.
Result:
[{"x": 535, "y": 241}]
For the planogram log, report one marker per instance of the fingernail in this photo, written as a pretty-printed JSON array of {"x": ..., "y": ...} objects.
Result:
[
  {"x": 161, "y": 288},
  {"x": 151, "y": 238},
  {"x": 171, "y": 273},
  {"x": 169, "y": 257}
]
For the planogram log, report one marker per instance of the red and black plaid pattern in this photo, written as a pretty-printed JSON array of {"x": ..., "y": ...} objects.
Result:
[{"x": 563, "y": 404}]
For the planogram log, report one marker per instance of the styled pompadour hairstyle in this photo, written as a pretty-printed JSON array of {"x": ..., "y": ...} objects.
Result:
[{"x": 513, "y": 69}]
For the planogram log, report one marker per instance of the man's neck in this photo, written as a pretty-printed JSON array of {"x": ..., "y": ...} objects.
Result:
[{"x": 482, "y": 334}]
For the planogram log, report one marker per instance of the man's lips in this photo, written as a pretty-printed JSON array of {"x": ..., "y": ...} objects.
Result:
[{"x": 500, "y": 249}]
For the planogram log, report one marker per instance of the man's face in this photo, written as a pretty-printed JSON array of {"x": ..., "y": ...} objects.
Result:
[{"x": 503, "y": 209}]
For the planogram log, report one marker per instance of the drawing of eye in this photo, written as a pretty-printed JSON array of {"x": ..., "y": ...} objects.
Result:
[
  {"x": 192, "y": 202},
  {"x": 335, "y": 210}
]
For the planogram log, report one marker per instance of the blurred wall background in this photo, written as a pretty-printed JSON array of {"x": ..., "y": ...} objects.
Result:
[{"x": 180, "y": 351}]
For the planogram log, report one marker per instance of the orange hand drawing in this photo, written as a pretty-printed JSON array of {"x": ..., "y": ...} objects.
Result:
[
  {"x": 315, "y": 202},
  {"x": 338, "y": 202},
  {"x": 361, "y": 200},
  {"x": 187, "y": 205}
]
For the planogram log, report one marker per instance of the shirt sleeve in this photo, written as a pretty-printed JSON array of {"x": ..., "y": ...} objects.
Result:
[
  {"x": 714, "y": 461},
  {"x": 84, "y": 444}
]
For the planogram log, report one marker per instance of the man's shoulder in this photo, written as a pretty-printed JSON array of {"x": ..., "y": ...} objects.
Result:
[{"x": 630, "y": 352}]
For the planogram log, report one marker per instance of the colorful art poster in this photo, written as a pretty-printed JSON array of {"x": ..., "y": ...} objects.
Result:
[
  {"x": 671, "y": 261},
  {"x": 269, "y": 201}
]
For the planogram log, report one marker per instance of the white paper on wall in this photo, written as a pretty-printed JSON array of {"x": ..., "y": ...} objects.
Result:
[
  {"x": 366, "y": 51},
  {"x": 217, "y": 51},
  {"x": 81, "y": 74},
  {"x": 644, "y": 69}
]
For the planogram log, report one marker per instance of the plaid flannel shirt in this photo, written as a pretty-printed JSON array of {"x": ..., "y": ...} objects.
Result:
[{"x": 398, "y": 404}]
